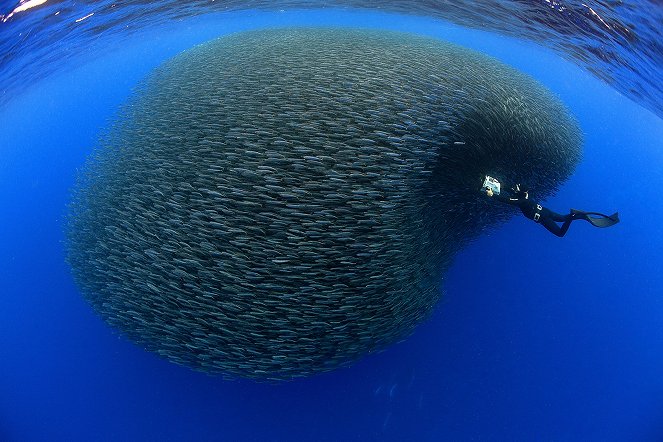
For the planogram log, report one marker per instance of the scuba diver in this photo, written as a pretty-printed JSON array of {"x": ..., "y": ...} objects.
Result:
[{"x": 539, "y": 214}]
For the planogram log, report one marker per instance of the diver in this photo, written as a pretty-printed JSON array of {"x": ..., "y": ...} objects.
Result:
[{"x": 539, "y": 214}]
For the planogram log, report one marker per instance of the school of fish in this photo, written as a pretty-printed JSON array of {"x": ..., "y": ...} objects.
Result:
[{"x": 278, "y": 203}]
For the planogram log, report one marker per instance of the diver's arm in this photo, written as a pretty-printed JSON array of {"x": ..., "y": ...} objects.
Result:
[{"x": 502, "y": 197}]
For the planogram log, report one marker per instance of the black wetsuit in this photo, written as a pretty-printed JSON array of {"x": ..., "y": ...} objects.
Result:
[{"x": 547, "y": 218}]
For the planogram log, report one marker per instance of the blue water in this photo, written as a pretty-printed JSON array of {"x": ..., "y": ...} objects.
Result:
[
  {"x": 618, "y": 41},
  {"x": 536, "y": 338}
]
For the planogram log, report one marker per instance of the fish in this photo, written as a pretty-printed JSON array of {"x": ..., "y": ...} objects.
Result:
[{"x": 278, "y": 203}]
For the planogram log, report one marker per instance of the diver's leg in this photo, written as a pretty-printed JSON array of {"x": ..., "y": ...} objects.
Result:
[
  {"x": 564, "y": 219},
  {"x": 559, "y": 218},
  {"x": 552, "y": 226},
  {"x": 565, "y": 226},
  {"x": 549, "y": 219}
]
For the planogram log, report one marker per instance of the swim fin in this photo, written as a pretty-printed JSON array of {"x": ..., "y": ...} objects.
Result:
[{"x": 597, "y": 219}]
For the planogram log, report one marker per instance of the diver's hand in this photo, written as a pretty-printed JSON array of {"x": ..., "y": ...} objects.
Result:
[{"x": 489, "y": 192}]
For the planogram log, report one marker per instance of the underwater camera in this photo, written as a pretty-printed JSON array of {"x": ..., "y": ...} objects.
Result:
[{"x": 491, "y": 183}]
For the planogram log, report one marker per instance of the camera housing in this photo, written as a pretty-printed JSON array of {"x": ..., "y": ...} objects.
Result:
[{"x": 490, "y": 183}]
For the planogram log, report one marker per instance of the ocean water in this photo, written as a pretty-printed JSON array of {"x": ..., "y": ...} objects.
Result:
[{"x": 536, "y": 337}]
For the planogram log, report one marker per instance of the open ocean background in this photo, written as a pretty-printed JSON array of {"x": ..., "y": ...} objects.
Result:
[{"x": 536, "y": 337}]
